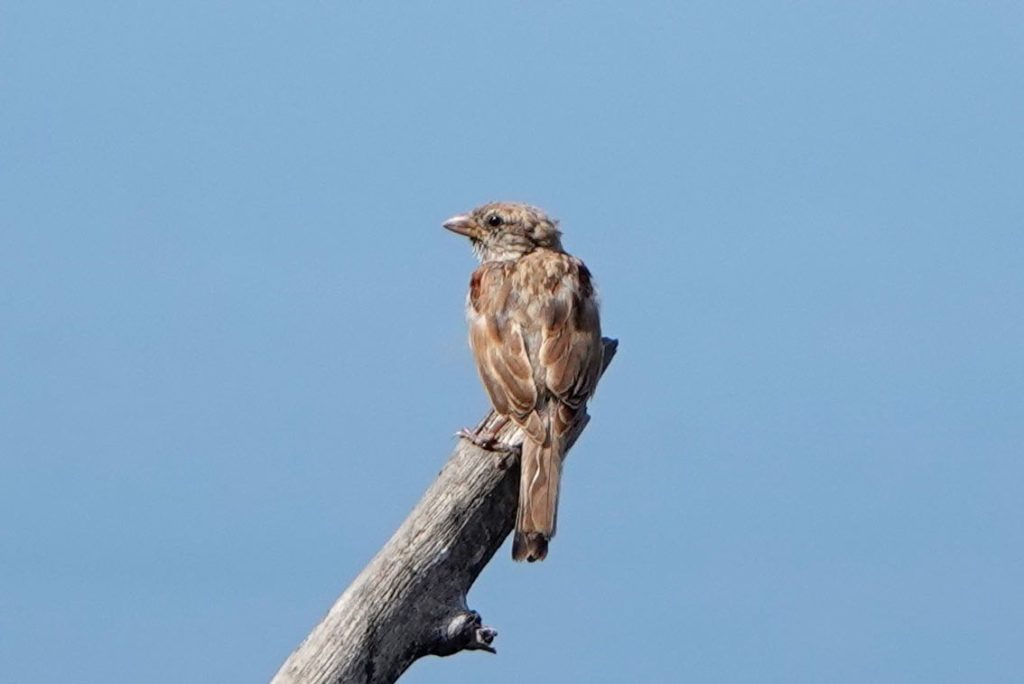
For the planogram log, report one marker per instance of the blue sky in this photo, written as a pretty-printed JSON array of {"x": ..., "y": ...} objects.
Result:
[{"x": 232, "y": 347}]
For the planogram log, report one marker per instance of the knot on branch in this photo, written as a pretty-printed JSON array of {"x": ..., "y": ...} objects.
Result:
[{"x": 464, "y": 631}]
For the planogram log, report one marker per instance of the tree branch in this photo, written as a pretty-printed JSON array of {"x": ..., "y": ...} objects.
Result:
[{"x": 410, "y": 601}]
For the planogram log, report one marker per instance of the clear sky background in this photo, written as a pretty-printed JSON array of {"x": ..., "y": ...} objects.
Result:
[{"x": 232, "y": 346}]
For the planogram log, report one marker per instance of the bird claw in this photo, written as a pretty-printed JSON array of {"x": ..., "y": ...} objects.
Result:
[
  {"x": 471, "y": 436},
  {"x": 503, "y": 453}
]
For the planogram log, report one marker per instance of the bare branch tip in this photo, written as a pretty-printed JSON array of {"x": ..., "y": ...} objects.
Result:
[{"x": 465, "y": 631}]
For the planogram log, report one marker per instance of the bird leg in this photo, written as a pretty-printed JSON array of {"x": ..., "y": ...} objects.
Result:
[{"x": 488, "y": 441}]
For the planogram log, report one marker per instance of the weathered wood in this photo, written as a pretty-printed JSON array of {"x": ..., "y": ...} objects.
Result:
[{"x": 410, "y": 601}]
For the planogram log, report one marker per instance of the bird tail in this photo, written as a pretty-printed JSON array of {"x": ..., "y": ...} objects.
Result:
[{"x": 541, "y": 470}]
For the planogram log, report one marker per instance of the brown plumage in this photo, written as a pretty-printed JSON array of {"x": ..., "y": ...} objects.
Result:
[{"x": 536, "y": 337}]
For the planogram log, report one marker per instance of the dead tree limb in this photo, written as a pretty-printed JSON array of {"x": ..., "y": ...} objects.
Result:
[{"x": 410, "y": 601}]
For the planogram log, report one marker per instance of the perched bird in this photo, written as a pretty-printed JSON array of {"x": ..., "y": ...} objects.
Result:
[{"x": 536, "y": 337}]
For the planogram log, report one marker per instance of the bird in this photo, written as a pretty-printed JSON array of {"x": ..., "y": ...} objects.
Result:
[{"x": 535, "y": 334}]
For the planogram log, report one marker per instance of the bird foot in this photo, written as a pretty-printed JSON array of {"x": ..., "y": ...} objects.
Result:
[
  {"x": 485, "y": 441},
  {"x": 503, "y": 453}
]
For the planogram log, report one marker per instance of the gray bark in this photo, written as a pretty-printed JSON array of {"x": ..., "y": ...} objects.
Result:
[{"x": 410, "y": 601}]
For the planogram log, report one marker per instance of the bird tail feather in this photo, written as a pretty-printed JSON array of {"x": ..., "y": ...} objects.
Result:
[{"x": 540, "y": 473}]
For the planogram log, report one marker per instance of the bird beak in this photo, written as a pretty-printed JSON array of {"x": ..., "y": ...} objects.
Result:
[{"x": 463, "y": 225}]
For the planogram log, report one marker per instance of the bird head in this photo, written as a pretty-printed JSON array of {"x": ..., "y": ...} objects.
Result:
[{"x": 502, "y": 231}]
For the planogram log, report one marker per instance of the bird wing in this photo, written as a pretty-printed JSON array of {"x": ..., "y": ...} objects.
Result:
[
  {"x": 571, "y": 351},
  {"x": 545, "y": 304},
  {"x": 499, "y": 348}
]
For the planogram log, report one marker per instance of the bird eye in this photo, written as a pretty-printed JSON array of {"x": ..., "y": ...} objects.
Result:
[{"x": 494, "y": 221}]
